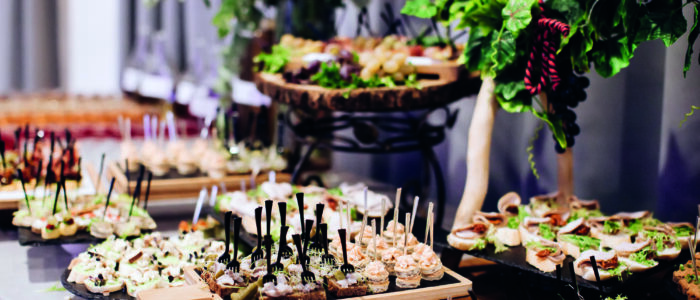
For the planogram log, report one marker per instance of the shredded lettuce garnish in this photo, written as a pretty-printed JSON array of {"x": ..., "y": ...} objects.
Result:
[
  {"x": 683, "y": 230},
  {"x": 611, "y": 227},
  {"x": 479, "y": 245},
  {"x": 641, "y": 256},
  {"x": 546, "y": 231},
  {"x": 582, "y": 242},
  {"x": 539, "y": 246},
  {"x": 513, "y": 222}
]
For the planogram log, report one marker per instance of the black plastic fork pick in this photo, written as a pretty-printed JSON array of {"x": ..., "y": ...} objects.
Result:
[
  {"x": 309, "y": 225},
  {"x": 268, "y": 217},
  {"x": 326, "y": 258},
  {"x": 225, "y": 258},
  {"x": 285, "y": 250},
  {"x": 316, "y": 244},
  {"x": 306, "y": 275},
  {"x": 346, "y": 267},
  {"x": 269, "y": 277},
  {"x": 300, "y": 204},
  {"x": 278, "y": 266},
  {"x": 258, "y": 253},
  {"x": 234, "y": 265}
]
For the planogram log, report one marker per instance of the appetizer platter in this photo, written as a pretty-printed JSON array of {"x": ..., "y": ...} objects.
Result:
[
  {"x": 37, "y": 162},
  {"x": 343, "y": 205},
  {"x": 82, "y": 219},
  {"x": 181, "y": 167},
  {"x": 120, "y": 269},
  {"x": 377, "y": 264},
  {"x": 605, "y": 252},
  {"x": 362, "y": 74}
]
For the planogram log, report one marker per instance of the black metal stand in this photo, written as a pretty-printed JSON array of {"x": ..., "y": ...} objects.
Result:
[{"x": 376, "y": 133}]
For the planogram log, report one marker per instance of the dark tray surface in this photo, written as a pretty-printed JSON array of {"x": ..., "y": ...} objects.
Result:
[{"x": 515, "y": 257}]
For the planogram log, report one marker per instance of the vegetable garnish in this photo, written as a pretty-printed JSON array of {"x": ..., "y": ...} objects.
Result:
[
  {"x": 546, "y": 231},
  {"x": 479, "y": 245},
  {"x": 581, "y": 241},
  {"x": 538, "y": 245},
  {"x": 513, "y": 222},
  {"x": 611, "y": 227},
  {"x": 274, "y": 61},
  {"x": 643, "y": 255},
  {"x": 683, "y": 230}
]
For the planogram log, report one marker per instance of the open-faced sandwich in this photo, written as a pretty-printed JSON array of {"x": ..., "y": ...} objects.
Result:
[
  {"x": 544, "y": 255},
  {"x": 637, "y": 256},
  {"x": 663, "y": 241},
  {"x": 575, "y": 238},
  {"x": 534, "y": 229},
  {"x": 608, "y": 264},
  {"x": 470, "y": 237},
  {"x": 144, "y": 263}
]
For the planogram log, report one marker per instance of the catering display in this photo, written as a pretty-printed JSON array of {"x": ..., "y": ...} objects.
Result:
[
  {"x": 342, "y": 205},
  {"x": 50, "y": 222},
  {"x": 180, "y": 167},
  {"x": 361, "y": 74},
  {"x": 315, "y": 267},
  {"x": 36, "y": 162},
  {"x": 128, "y": 267},
  {"x": 603, "y": 247}
]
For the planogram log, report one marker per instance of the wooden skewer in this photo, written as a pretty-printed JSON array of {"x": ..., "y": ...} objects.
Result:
[
  {"x": 374, "y": 240},
  {"x": 405, "y": 236},
  {"x": 416, "y": 200},
  {"x": 347, "y": 212},
  {"x": 432, "y": 229},
  {"x": 381, "y": 225},
  {"x": 340, "y": 214},
  {"x": 396, "y": 213},
  {"x": 427, "y": 223},
  {"x": 362, "y": 230}
]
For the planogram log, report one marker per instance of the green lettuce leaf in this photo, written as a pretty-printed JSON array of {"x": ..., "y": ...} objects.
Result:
[{"x": 582, "y": 242}]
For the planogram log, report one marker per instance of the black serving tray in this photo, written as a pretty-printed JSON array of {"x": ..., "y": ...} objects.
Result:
[
  {"x": 515, "y": 258},
  {"x": 28, "y": 238},
  {"x": 80, "y": 290}
]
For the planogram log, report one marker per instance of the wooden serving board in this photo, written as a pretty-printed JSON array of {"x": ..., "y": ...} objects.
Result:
[
  {"x": 432, "y": 93},
  {"x": 458, "y": 287},
  {"x": 183, "y": 186}
]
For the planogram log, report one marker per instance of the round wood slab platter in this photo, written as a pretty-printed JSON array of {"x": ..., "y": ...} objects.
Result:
[{"x": 433, "y": 93}]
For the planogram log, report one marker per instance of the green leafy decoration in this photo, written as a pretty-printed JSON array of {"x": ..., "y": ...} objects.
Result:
[
  {"x": 666, "y": 21},
  {"x": 530, "y": 147},
  {"x": 420, "y": 8},
  {"x": 687, "y": 115},
  {"x": 502, "y": 52},
  {"x": 611, "y": 56},
  {"x": 274, "y": 61},
  {"x": 517, "y": 15},
  {"x": 554, "y": 126},
  {"x": 692, "y": 36}
]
